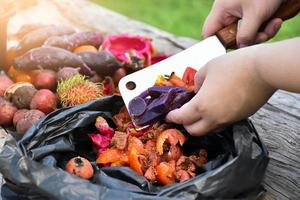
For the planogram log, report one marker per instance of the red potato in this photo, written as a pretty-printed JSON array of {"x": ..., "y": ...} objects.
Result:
[
  {"x": 5, "y": 82},
  {"x": 19, "y": 115},
  {"x": 28, "y": 120},
  {"x": 44, "y": 100},
  {"x": 20, "y": 94},
  {"x": 46, "y": 79},
  {"x": 7, "y": 111}
]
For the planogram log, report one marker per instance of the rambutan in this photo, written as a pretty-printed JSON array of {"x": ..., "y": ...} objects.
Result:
[{"x": 78, "y": 90}]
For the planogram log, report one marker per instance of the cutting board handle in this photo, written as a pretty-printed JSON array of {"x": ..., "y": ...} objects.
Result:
[{"x": 287, "y": 10}]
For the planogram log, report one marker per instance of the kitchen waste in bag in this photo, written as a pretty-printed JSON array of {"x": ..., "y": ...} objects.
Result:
[{"x": 32, "y": 168}]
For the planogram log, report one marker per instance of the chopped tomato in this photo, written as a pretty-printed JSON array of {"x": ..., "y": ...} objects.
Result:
[
  {"x": 165, "y": 173},
  {"x": 113, "y": 156},
  {"x": 153, "y": 157},
  {"x": 172, "y": 136},
  {"x": 174, "y": 153},
  {"x": 150, "y": 174},
  {"x": 134, "y": 142},
  {"x": 150, "y": 145},
  {"x": 134, "y": 160},
  {"x": 136, "y": 153},
  {"x": 189, "y": 75}
]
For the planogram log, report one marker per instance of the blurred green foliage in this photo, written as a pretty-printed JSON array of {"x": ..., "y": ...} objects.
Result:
[{"x": 181, "y": 17}]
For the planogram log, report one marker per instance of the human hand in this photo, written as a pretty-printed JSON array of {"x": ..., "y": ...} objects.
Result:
[
  {"x": 253, "y": 14},
  {"x": 231, "y": 90}
]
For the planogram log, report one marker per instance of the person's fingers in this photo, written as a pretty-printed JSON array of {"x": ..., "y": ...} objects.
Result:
[
  {"x": 199, "y": 128},
  {"x": 247, "y": 29},
  {"x": 199, "y": 79},
  {"x": 270, "y": 30},
  {"x": 212, "y": 24},
  {"x": 187, "y": 114}
]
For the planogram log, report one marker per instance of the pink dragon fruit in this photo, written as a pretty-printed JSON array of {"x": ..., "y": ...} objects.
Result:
[
  {"x": 103, "y": 127},
  {"x": 129, "y": 48}
]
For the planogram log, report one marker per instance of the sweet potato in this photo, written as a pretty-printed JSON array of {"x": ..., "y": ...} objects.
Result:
[
  {"x": 25, "y": 29},
  {"x": 103, "y": 62},
  {"x": 37, "y": 37},
  {"x": 50, "y": 58},
  {"x": 70, "y": 42}
]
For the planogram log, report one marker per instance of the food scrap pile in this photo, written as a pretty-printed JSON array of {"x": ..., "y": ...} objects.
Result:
[
  {"x": 154, "y": 152},
  {"x": 54, "y": 66}
]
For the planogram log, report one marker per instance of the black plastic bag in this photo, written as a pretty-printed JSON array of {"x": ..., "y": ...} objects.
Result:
[{"x": 32, "y": 167}]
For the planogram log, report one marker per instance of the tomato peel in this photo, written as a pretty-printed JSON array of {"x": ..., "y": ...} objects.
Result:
[
  {"x": 172, "y": 136},
  {"x": 165, "y": 173},
  {"x": 134, "y": 161},
  {"x": 112, "y": 155},
  {"x": 189, "y": 76}
]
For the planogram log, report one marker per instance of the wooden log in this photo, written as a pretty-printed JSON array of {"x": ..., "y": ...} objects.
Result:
[
  {"x": 280, "y": 133},
  {"x": 277, "y": 122},
  {"x": 287, "y": 102}
]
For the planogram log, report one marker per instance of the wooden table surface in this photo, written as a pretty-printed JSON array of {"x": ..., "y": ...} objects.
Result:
[{"x": 278, "y": 122}]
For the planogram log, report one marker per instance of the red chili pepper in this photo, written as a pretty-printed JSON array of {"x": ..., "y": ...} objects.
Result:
[{"x": 188, "y": 76}]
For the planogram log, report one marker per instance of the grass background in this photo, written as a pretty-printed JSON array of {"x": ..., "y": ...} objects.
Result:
[{"x": 181, "y": 17}]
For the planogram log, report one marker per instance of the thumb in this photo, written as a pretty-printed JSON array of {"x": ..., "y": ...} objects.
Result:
[
  {"x": 247, "y": 30},
  {"x": 212, "y": 24}
]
